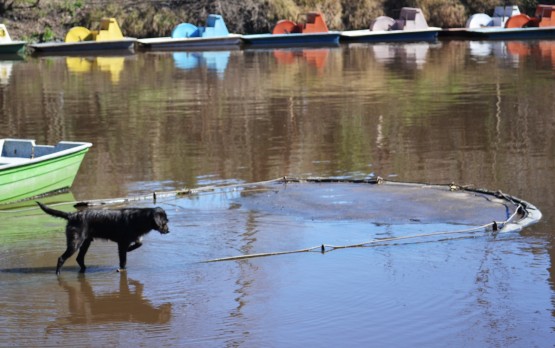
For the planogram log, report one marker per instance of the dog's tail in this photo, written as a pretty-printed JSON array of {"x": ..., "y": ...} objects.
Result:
[{"x": 53, "y": 212}]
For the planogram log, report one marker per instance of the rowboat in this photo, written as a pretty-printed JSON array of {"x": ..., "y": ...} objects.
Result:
[
  {"x": 7, "y": 45},
  {"x": 409, "y": 27},
  {"x": 80, "y": 39},
  {"x": 507, "y": 23},
  {"x": 188, "y": 36},
  {"x": 286, "y": 33},
  {"x": 28, "y": 170}
]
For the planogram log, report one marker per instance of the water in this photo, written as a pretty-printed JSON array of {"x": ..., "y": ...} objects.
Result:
[{"x": 468, "y": 112}]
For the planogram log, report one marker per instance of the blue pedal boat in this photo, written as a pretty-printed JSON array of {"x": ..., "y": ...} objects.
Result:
[{"x": 188, "y": 36}]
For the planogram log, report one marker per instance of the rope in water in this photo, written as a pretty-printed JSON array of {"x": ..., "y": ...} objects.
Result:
[
  {"x": 494, "y": 226},
  {"x": 154, "y": 196}
]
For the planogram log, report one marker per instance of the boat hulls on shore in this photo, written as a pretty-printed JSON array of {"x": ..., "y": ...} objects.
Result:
[
  {"x": 492, "y": 33},
  {"x": 169, "y": 43},
  {"x": 428, "y": 34},
  {"x": 285, "y": 40},
  {"x": 84, "y": 46}
]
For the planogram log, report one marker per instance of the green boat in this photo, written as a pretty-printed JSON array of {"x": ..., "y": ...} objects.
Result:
[{"x": 28, "y": 170}]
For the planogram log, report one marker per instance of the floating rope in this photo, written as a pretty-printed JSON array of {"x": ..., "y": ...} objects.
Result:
[
  {"x": 493, "y": 226},
  {"x": 155, "y": 197}
]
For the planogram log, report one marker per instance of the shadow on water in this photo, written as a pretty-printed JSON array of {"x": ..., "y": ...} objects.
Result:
[
  {"x": 52, "y": 270},
  {"x": 126, "y": 304},
  {"x": 29, "y": 270}
]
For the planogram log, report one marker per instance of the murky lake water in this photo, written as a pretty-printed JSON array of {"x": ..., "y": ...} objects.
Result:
[{"x": 456, "y": 111}]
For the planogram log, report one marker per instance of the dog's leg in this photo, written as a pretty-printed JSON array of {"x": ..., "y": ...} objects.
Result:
[
  {"x": 73, "y": 240},
  {"x": 135, "y": 245},
  {"x": 71, "y": 249},
  {"x": 81, "y": 255},
  {"x": 122, "y": 250}
]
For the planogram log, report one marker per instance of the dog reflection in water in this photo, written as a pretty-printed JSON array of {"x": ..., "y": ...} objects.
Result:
[{"x": 125, "y": 305}]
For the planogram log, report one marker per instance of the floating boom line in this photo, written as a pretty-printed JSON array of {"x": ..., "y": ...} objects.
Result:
[{"x": 495, "y": 227}]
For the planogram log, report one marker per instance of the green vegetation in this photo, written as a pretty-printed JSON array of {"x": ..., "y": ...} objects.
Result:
[
  {"x": 48, "y": 34},
  {"x": 29, "y": 18}
]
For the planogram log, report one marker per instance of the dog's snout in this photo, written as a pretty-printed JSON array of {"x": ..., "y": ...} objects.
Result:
[{"x": 165, "y": 229}]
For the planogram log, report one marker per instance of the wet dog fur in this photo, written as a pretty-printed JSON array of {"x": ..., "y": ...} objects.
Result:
[{"x": 125, "y": 226}]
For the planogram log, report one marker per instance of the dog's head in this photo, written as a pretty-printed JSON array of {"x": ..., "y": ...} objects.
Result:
[{"x": 161, "y": 221}]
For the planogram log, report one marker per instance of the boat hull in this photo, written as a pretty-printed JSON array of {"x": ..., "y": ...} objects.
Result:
[
  {"x": 499, "y": 33},
  {"x": 513, "y": 33},
  {"x": 390, "y": 36},
  {"x": 84, "y": 46},
  {"x": 189, "y": 43},
  {"x": 38, "y": 177},
  {"x": 290, "y": 40},
  {"x": 12, "y": 47}
]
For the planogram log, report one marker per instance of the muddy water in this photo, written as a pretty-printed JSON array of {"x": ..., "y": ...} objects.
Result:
[{"x": 469, "y": 112}]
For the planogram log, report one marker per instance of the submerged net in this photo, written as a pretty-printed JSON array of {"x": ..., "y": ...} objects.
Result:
[
  {"x": 417, "y": 210},
  {"x": 387, "y": 203}
]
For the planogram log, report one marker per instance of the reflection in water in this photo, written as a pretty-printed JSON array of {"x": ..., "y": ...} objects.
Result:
[
  {"x": 316, "y": 56},
  {"x": 547, "y": 49},
  {"x": 413, "y": 54},
  {"x": 212, "y": 60},
  {"x": 112, "y": 65},
  {"x": 481, "y": 51},
  {"x": 539, "y": 51},
  {"x": 513, "y": 51},
  {"x": 124, "y": 305},
  {"x": 6, "y": 64},
  {"x": 487, "y": 48},
  {"x": 5, "y": 72}
]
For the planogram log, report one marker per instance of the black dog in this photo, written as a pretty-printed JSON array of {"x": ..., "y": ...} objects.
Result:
[{"x": 124, "y": 226}]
